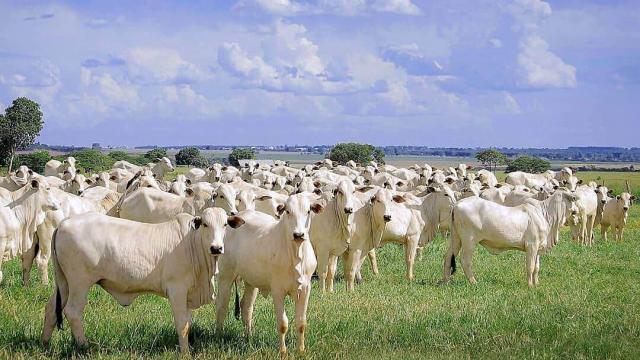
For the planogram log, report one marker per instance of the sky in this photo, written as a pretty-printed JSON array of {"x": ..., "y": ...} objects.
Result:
[{"x": 458, "y": 73}]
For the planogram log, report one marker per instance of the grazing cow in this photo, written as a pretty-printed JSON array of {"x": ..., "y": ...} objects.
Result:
[
  {"x": 533, "y": 227},
  {"x": 615, "y": 214},
  {"x": 273, "y": 257},
  {"x": 331, "y": 231},
  {"x": 533, "y": 181},
  {"x": 176, "y": 260},
  {"x": 160, "y": 167}
]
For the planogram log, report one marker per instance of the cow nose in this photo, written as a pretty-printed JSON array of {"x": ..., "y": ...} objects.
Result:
[
  {"x": 625, "y": 208},
  {"x": 387, "y": 218},
  {"x": 298, "y": 236},
  {"x": 603, "y": 201},
  {"x": 217, "y": 178},
  {"x": 574, "y": 212},
  {"x": 348, "y": 210},
  {"x": 80, "y": 192},
  {"x": 216, "y": 250},
  {"x": 233, "y": 213}
]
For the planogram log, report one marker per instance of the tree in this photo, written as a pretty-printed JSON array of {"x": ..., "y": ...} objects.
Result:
[
  {"x": 492, "y": 158},
  {"x": 241, "y": 154},
  {"x": 360, "y": 153},
  {"x": 19, "y": 127},
  {"x": 156, "y": 153},
  {"x": 528, "y": 164},
  {"x": 35, "y": 160},
  {"x": 92, "y": 160},
  {"x": 191, "y": 156}
]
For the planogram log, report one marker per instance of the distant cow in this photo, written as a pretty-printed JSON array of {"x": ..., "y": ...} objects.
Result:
[{"x": 615, "y": 214}]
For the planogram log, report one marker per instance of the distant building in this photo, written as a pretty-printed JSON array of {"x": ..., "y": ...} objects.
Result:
[{"x": 96, "y": 146}]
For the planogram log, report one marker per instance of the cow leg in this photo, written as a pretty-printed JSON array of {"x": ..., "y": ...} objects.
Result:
[
  {"x": 322, "y": 269},
  {"x": 27, "y": 264},
  {"x": 246, "y": 307},
  {"x": 302, "y": 301},
  {"x": 410, "y": 255},
  {"x": 178, "y": 300},
  {"x": 374, "y": 261},
  {"x": 351, "y": 267},
  {"x": 281, "y": 318},
  {"x": 467, "y": 259},
  {"x": 76, "y": 302},
  {"x": 222, "y": 301},
  {"x": 532, "y": 256},
  {"x": 333, "y": 266},
  {"x": 537, "y": 270},
  {"x": 603, "y": 231},
  {"x": 419, "y": 252}
]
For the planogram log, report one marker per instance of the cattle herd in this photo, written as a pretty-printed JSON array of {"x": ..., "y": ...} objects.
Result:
[{"x": 270, "y": 228}]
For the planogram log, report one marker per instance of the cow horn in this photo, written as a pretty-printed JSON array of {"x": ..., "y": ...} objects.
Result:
[{"x": 628, "y": 187}]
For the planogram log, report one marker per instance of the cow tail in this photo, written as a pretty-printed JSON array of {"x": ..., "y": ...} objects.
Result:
[
  {"x": 454, "y": 239},
  {"x": 237, "y": 304},
  {"x": 59, "y": 278}
]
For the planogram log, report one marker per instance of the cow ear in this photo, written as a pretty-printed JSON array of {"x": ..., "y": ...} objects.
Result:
[
  {"x": 580, "y": 181},
  {"x": 318, "y": 191},
  {"x": 317, "y": 208},
  {"x": 264, "y": 197},
  {"x": 610, "y": 191},
  {"x": 595, "y": 191},
  {"x": 189, "y": 192},
  {"x": 224, "y": 168},
  {"x": 256, "y": 166},
  {"x": 335, "y": 191},
  {"x": 399, "y": 183},
  {"x": 30, "y": 172},
  {"x": 235, "y": 221},
  {"x": 88, "y": 181},
  {"x": 633, "y": 197},
  {"x": 188, "y": 182},
  {"x": 449, "y": 181},
  {"x": 197, "y": 221},
  {"x": 399, "y": 199},
  {"x": 365, "y": 188},
  {"x": 373, "y": 199},
  {"x": 35, "y": 184},
  {"x": 556, "y": 187},
  {"x": 280, "y": 209},
  {"x": 617, "y": 197},
  {"x": 317, "y": 184}
]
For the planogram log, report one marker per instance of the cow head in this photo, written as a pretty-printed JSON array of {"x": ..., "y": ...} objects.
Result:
[
  {"x": 571, "y": 182},
  {"x": 381, "y": 204},
  {"x": 344, "y": 195},
  {"x": 295, "y": 214},
  {"x": 78, "y": 184},
  {"x": 225, "y": 197},
  {"x": 624, "y": 201},
  {"x": 43, "y": 196},
  {"x": 602, "y": 192},
  {"x": 246, "y": 200},
  {"x": 210, "y": 228}
]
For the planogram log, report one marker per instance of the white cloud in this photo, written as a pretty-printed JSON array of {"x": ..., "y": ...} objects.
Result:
[
  {"x": 39, "y": 79},
  {"x": 118, "y": 92},
  {"x": 405, "y": 7},
  {"x": 161, "y": 65},
  {"x": 540, "y": 68}
]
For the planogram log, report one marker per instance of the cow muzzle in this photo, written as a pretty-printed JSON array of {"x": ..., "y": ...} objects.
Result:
[
  {"x": 298, "y": 236},
  {"x": 216, "y": 250},
  {"x": 348, "y": 210},
  {"x": 387, "y": 218}
]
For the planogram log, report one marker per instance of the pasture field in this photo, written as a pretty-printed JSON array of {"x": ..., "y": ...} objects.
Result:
[{"x": 586, "y": 306}]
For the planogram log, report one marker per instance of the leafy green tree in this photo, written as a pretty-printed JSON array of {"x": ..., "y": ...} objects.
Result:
[
  {"x": 241, "y": 154},
  {"x": 118, "y": 155},
  {"x": 92, "y": 160},
  {"x": 360, "y": 153},
  {"x": 19, "y": 127},
  {"x": 35, "y": 160},
  {"x": 156, "y": 153},
  {"x": 528, "y": 164},
  {"x": 191, "y": 156},
  {"x": 491, "y": 157}
]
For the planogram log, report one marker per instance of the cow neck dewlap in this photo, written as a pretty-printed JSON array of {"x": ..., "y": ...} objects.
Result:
[
  {"x": 554, "y": 212},
  {"x": 342, "y": 220},
  {"x": 374, "y": 226},
  {"x": 296, "y": 254},
  {"x": 203, "y": 268}
]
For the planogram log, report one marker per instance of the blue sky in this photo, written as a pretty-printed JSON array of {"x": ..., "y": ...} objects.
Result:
[{"x": 525, "y": 73}]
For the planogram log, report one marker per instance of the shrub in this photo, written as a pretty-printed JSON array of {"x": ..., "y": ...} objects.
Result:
[
  {"x": 241, "y": 154},
  {"x": 528, "y": 164},
  {"x": 35, "y": 160},
  {"x": 191, "y": 156},
  {"x": 92, "y": 160},
  {"x": 156, "y": 153},
  {"x": 360, "y": 153}
]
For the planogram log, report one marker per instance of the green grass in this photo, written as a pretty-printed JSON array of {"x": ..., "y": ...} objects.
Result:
[{"x": 586, "y": 306}]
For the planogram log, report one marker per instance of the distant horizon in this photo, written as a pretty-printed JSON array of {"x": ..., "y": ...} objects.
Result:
[{"x": 506, "y": 73}]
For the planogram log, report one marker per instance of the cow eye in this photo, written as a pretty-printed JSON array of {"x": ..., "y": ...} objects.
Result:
[
  {"x": 205, "y": 225},
  {"x": 221, "y": 196},
  {"x": 288, "y": 212},
  {"x": 446, "y": 194}
]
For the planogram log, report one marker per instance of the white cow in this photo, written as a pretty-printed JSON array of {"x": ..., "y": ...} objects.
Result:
[
  {"x": 615, "y": 214},
  {"x": 533, "y": 227},
  {"x": 176, "y": 260},
  {"x": 273, "y": 257},
  {"x": 56, "y": 168},
  {"x": 587, "y": 203},
  {"x": 9, "y": 229}
]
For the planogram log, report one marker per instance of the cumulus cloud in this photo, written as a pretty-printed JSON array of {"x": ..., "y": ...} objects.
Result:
[
  {"x": 411, "y": 57},
  {"x": 540, "y": 68},
  {"x": 333, "y": 7},
  {"x": 161, "y": 65},
  {"x": 39, "y": 79}
]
